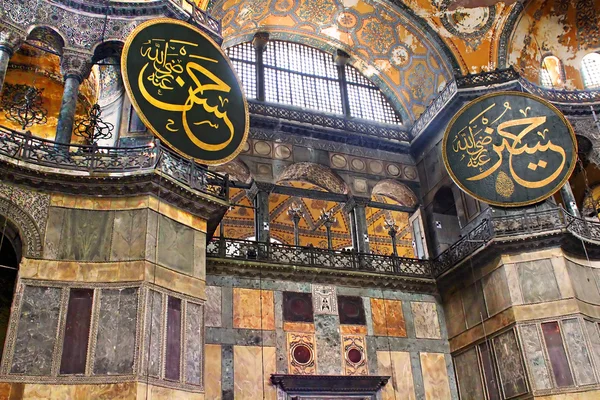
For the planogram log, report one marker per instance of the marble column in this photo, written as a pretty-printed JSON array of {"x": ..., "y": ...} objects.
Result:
[
  {"x": 10, "y": 41},
  {"x": 260, "y": 43},
  {"x": 360, "y": 218},
  {"x": 569, "y": 199},
  {"x": 341, "y": 59},
  {"x": 260, "y": 191},
  {"x": 75, "y": 68}
]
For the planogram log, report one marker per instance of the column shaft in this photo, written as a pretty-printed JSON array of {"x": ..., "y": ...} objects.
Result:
[
  {"x": 362, "y": 238},
  {"x": 569, "y": 199},
  {"x": 261, "y": 213},
  {"x": 66, "y": 116},
  {"x": 4, "y": 58}
]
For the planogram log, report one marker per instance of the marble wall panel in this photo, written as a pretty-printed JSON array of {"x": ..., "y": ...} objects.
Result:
[
  {"x": 435, "y": 376},
  {"x": 512, "y": 373},
  {"x": 151, "y": 233},
  {"x": 250, "y": 376},
  {"x": 397, "y": 365},
  {"x": 36, "y": 333},
  {"x": 534, "y": 354},
  {"x": 115, "y": 343},
  {"x": 153, "y": 334},
  {"x": 388, "y": 318},
  {"x": 86, "y": 235},
  {"x": 175, "y": 245},
  {"x": 594, "y": 335},
  {"x": 538, "y": 282},
  {"x": 469, "y": 375},
  {"x": 56, "y": 216},
  {"x": 354, "y": 355},
  {"x": 199, "y": 254},
  {"x": 324, "y": 299},
  {"x": 213, "y": 306},
  {"x": 194, "y": 338},
  {"x": 425, "y": 316},
  {"x": 495, "y": 290},
  {"x": 113, "y": 391},
  {"x": 212, "y": 371},
  {"x": 129, "y": 235},
  {"x": 584, "y": 283},
  {"x": 247, "y": 309},
  {"x": 455, "y": 316},
  {"x": 301, "y": 367},
  {"x": 580, "y": 357},
  {"x": 327, "y": 328},
  {"x": 474, "y": 304}
]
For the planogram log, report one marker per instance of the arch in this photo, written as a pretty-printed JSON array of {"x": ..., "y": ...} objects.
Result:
[
  {"x": 25, "y": 225},
  {"x": 590, "y": 71},
  {"x": 316, "y": 174},
  {"x": 387, "y": 44},
  {"x": 48, "y": 36},
  {"x": 551, "y": 72},
  {"x": 237, "y": 170},
  {"x": 397, "y": 191},
  {"x": 108, "y": 49},
  {"x": 444, "y": 202}
]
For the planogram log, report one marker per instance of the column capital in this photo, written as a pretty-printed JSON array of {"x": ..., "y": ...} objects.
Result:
[
  {"x": 76, "y": 64},
  {"x": 256, "y": 187},
  {"x": 11, "y": 39},
  {"x": 341, "y": 58},
  {"x": 260, "y": 40}
]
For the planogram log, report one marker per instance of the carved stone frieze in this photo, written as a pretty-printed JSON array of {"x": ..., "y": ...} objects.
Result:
[
  {"x": 36, "y": 203},
  {"x": 26, "y": 225},
  {"x": 10, "y": 39}
]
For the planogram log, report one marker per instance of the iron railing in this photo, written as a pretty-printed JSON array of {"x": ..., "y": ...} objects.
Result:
[
  {"x": 510, "y": 227},
  {"x": 199, "y": 16},
  {"x": 375, "y": 129},
  {"x": 316, "y": 257},
  {"x": 101, "y": 160}
]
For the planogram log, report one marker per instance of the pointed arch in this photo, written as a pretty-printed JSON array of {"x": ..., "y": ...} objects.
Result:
[{"x": 397, "y": 191}]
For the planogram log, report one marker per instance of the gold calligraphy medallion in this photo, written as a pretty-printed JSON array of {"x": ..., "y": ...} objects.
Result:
[
  {"x": 185, "y": 90},
  {"x": 509, "y": 149}
]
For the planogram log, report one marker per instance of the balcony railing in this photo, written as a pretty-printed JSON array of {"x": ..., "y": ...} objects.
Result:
[
  {"x": 510, "y": 227},
  {"x": 199, "y": 16},
  {"x": 112, "y": 161},
  {"x": 275, "y": 253}
]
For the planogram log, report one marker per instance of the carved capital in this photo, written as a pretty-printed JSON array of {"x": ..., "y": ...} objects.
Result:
[
  {"x": 77, "y": 65},
  {"x": 260, "y": 40},
  {"x": 341, "y": 58},
  {"x": 10, "y": 40}
]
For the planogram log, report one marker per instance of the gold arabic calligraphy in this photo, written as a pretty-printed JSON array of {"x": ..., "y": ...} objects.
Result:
[
  {"x": 473, "y": 141},
  {"x": 171, "y": 65}
]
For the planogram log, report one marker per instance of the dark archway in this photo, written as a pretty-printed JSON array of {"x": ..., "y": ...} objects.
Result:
[
  {"x": 10, "y": 257},
  {"x": 444, "y": 224}
]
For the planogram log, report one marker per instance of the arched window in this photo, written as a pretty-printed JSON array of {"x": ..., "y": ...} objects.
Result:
[
  {"x": 551, "y": 72},
  {"x": 590, "y": 68},
  {"x": 305, "y": 77}
]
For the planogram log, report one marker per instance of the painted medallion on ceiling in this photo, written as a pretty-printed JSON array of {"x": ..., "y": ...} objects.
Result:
[{"x": 387, "y": 46}]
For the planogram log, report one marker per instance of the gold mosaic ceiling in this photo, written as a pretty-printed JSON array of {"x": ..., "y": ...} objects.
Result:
[{"x": 395, "y": 45}]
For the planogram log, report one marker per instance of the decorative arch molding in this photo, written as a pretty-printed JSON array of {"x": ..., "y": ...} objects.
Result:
[
  {"x": 237, "y": 170},
  {"x": 25, "y": 224},
  {"x": 48, "y": 35},
  {"x": 316, "y": 174},
  {"x": 31, "y": 224},
  {"x": 506, "y": 35},
  {"x": 396, "y": 191}
]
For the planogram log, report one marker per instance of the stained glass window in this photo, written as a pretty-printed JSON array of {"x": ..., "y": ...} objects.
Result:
[{"x": 591, "y": 70}]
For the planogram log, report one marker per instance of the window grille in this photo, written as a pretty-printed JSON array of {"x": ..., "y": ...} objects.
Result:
[
  {"x": 366, "y": 100},
  {"x": 591, "y": 70},
  {"x": 243, "y": 58}
]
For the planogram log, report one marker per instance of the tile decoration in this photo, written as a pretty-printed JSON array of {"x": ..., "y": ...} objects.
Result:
[
  {"x": 354, "y": 355},
  {"x": 512, "y": 373},
  {"x": 351, "y": 310},
  {"x": 302, "y": 354},
  {"x": 534, "y": 354},
  {"x": 435, "y": 376},
  {"x": 425, "y": 316},
  {"x": 388, "y": 317},
  {"x": 324, "y": 299},
  {"x": 247, "y": 309},
  {"x": 297, "y": 307}
]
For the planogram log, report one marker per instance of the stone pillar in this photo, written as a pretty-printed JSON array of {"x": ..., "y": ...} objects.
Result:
[
  {"x": 360, "y": 220},
  {"x": 260, "y": 191},
  {"x": 329, "y": 240},
  {"x": 341, "y": 59},
  {"x": 260, "y": 43},
  {"x": 75, "y": 67},
  {"x": 10, "y": 41},
  {"x": 569, "y": 199}
]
